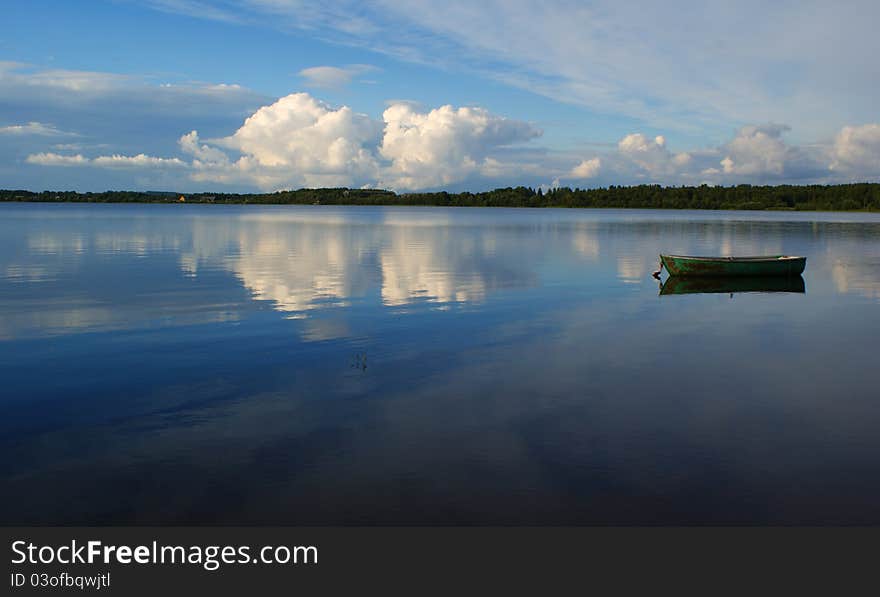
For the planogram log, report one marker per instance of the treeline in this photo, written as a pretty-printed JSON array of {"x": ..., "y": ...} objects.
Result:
[{"x": 846, "y": 197}]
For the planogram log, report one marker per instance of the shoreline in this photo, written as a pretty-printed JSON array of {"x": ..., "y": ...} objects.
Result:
[
  {"x": 854, "y": 198},
  {"x": 525, "y": 207}
]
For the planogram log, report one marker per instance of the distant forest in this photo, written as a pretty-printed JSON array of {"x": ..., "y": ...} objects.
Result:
[{"x": 847, "y": 197}]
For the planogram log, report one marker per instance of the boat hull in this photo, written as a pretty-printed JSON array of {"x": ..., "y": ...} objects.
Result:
[{"x": 775, "y": 265}]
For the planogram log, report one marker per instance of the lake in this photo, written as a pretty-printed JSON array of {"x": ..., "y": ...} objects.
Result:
[{"x": 185, "y": 364}]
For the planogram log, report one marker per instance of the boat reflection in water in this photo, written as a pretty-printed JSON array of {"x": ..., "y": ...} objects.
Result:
[{"x": 731, "y": 284}]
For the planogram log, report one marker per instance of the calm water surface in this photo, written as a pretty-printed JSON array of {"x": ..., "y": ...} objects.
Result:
[{"x": 322, "y": 365}]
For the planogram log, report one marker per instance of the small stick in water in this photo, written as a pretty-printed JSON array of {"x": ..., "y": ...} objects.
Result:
[{"x": 657, "y": 273}]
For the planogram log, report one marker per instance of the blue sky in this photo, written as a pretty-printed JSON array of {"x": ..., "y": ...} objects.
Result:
[{"x": 269, "y": 94}]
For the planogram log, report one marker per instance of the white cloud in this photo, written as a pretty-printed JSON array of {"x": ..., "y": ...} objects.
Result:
[
  {"x": 111, "y": 161},
  {"x": 301, "y": 132},
  {"x": 637, "y": 143},
  {"x": 856, "y": 151},
  {"x": 756, "y": 154},
  {"x": 301, "y": 142},
  {"x": 136, "y": 161},
  {"x": 445, "y": 145},
  {"x": 224, "y": 87},
  {"x": 652, "y": 155},
  {"x": 54, "y": 159},
  {"x": 637, "y": 159},
  {"x": 756, "y": 150},
  {"x": 34, "y": 128},
  {"x": 586, "y": 169},
  {"x": 204, "y": 155},
  {"x": 333, "y": 77}
]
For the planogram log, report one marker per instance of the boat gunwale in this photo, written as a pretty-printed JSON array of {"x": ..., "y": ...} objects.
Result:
[{"x": 763, "y": 258}]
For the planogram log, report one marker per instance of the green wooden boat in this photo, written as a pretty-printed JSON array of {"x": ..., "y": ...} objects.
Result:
[
  {"x": 773, "y": 265},
  {"x": 731, "y": 284}
]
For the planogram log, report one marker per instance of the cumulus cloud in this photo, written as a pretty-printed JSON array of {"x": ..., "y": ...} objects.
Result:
[
  {"x": 444, "y": 145},
  {"x": 755, "y": 154},
  {"x": 136, "y": 161},
  {"x": 307, "y": 134},
  {"x": 757, "y": 150},
  {"x": 637, "y": 158},
  {"x": 586, "y": 169},
  {"x": 107, "y": 161},
  {"x": 209, "y": 163},
  {"x": 652, "y": 155},
  {"x": 856, "y": 151},
  {"x": 301, "y": 141},
  {"x": 54, "y": 159},
  {"x": 204, "y": 155},
  {"x": 333, "y": 77},
  {"x": 34, "y": 128}
]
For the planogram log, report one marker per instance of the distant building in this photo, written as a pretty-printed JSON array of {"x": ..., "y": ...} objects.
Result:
[{"x": 181, "y": 199}]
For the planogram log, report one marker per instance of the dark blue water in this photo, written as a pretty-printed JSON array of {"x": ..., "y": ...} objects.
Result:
[{"x": 323, "y": 365}]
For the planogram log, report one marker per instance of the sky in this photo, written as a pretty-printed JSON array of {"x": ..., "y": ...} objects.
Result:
[{"x": 263, "y": 95}]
